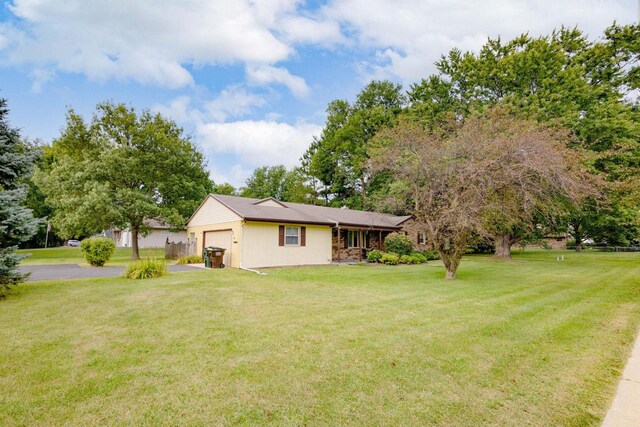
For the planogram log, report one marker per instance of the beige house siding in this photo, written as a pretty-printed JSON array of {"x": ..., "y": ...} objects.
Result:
[
  {"x": 261, "y": 249},
  {"x": 212, "y": 211},
  {"x": 236, "y": 238},
  {"x": 214, "y": 216}
]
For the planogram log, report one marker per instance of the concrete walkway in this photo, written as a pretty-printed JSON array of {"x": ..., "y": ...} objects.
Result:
[
  {"x": 625, "y": 409},
  {"x": 74, "y": 271}
]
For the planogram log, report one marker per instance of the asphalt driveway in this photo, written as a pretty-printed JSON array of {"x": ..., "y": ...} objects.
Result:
[{"x": 74, "y": 271}]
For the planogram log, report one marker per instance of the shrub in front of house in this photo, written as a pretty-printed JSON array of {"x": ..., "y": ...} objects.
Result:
[
  {"x": 97, "y": 250},
  {"x": 418, "y": 258},
  {"x": 405, "y": 259},
  {"x": 398, "y": 243},
  {"x": 191, "y": 259},
  {"x": 374, "y": 255},
  {"x": 390, "y": 258},
  {"x": 431, "y": 254},
  {"x": 146, "y": 269}
]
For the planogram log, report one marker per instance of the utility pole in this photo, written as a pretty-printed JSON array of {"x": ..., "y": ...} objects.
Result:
[{"x": 46, "y": 239}]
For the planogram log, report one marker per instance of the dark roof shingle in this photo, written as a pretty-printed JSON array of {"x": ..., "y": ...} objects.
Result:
[{"x": 249, "y": 209}]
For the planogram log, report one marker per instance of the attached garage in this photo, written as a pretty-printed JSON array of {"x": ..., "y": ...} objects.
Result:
[
  {"x": 220, "y": 239},
  {"x": 259, "y": 233}
]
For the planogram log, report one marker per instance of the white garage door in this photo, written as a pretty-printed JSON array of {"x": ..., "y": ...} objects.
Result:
[{"x": 221, "y": 239}]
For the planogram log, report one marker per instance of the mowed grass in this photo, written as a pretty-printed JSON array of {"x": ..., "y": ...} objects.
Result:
[
  {"x": 68, "y": 255},
  {"x": 528, "y": 342}
]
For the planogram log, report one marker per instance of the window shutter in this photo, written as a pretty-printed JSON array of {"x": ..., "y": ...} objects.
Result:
[
  {"x": 303, "y": 236},
  {"x": 281, "y": 235},
  {"x": 346, "y": 239}
]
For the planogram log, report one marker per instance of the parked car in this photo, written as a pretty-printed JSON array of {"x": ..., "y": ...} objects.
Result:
[{"x": 74, "y": 243}]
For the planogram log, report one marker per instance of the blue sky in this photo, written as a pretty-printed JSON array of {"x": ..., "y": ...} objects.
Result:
[{"x": 249, "y": 80}]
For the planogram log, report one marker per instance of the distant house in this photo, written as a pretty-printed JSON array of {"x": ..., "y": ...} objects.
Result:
[
  {"x": 555, "y": 241},
  {"x": 156, "y": 238},
  {"x": 269, "y": 233}
]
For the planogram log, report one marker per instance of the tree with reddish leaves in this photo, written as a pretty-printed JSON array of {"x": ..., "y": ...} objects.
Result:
[{"x": 489, "y": 175}]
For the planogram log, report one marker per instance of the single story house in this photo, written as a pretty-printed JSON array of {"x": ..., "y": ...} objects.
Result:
[
  {"x": 158, "y": 235},
  {"x": 268, "y": 233}
]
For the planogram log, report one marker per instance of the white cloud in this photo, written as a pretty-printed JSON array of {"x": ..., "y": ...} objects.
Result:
[
  {"x": 180, "y": 110},
  {"x": 158, "y": 41},
  {"x": 258, "y": 143},
  {"x": 410, "y": 35},
  {"x": 40, "y": 77},
  {"x": 234, "y": 101},
  {"x": 266, "y": 74},
  {"x": 149, "y": 41},
  {"x": 236, "y": 175}
]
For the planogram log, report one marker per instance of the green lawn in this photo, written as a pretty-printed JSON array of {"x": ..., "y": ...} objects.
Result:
[
  {"x": 529, "y": 342},
  {"x": 67, "y": 255}
]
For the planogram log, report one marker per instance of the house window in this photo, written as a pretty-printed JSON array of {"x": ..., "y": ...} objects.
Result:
[
  {"x": 353, "y": 238},
  {"x": 292, "y": 236},
  {"x": 421, "y": 239}
]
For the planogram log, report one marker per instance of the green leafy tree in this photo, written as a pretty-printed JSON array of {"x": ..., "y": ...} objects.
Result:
[
  {"x": 119, "y": 170},
  {"x": 36, "y": 201},
  {"x": 17, "y": 223},
  {"x": 338, "y": 159},
  {"x": 564, "y": 79},
  {"x": 279, "y": 183},
  {"x": 225, "y": 188}
]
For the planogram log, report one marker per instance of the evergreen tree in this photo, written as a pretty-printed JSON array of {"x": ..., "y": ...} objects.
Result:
[{"x": 17, "y": 223}]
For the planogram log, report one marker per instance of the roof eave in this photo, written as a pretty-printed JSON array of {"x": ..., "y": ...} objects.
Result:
[
  {"x": 288, "y": 221},
  {"x": 370, "y": 226}
]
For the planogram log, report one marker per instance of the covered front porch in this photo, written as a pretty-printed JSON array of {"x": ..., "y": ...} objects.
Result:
[{"x": 350, "y": 244}]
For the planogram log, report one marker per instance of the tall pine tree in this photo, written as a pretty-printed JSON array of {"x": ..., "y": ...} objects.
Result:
[{"x": 17, "y": 223}]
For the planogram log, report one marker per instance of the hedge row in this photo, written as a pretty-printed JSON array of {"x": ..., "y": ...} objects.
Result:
[{"x": 391, "y": 258}]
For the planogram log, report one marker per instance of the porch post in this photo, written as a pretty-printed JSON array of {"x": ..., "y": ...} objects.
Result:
[
  {"x": 361, "y": 245},
  {"x": 339, "y": 243}
]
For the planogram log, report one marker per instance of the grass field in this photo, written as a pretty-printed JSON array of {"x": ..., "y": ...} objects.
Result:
[
  {"x": 67, "y": 255},
  {"x": 528, "y": 342}
]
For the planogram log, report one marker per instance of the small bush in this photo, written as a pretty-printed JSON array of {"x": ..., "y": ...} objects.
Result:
[
  {"x": 97, "y": 250},
  {"x": 146, "y": 269},
  {"x": 398, "y": 243},
  {"x": 191, "y": 259},
  {"x": 390, "y": 259},
  {"x": 374, "y": 255},
  {"x": 431, "y": 254},
  {"x": 405, "y": 259},
  {"x": 418, "y": 258}
]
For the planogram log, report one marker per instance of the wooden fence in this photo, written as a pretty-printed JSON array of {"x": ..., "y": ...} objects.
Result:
[{"x": 175, "y": 250}]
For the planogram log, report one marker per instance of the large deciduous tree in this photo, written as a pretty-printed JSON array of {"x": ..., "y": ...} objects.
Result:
[
  {"x": 17, "y": 223},
  {"x": 432, "y": 177},
  {"x": 338, "y": 159},
  {"x": 588, "y": 87},
  {"x": 279, "y": 183},
  {"x": 527, "y": 175},
  {"x": 488, "y": 175},
  {"x": 121, "y": 169}
]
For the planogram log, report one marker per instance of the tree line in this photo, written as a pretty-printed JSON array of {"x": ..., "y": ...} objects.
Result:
[{"x": 523, "y": 138}]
